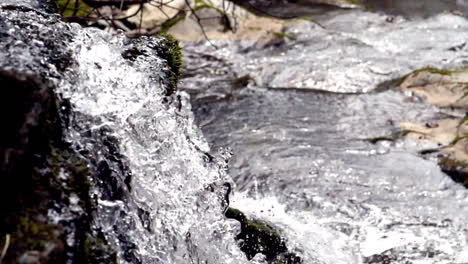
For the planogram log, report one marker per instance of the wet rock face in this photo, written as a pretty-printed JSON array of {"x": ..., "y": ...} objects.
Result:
[
  {"x": 447, "y": 90},
  {"x": 101, "y": 161},
  {"x": 44, "y": 5},
  {"x": 36, "y": 42},
  {"x": 19, "y": 119},
  {"x": 40, "y": 172},
  {"x": 258, "y": 237}
]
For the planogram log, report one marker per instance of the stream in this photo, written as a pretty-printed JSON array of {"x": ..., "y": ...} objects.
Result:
[
  {"x": 287, "y": 123},
  {"x": 298, "y": 121}
]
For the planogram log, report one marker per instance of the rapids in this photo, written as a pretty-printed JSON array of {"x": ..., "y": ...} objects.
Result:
[{"x": 298, "y": 125}]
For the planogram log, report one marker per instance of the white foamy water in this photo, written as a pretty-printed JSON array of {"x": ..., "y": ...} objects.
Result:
[{"x": 183, "y": 220}]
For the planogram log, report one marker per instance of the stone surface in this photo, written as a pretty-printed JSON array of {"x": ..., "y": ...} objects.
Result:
[
  {"x": 448, "y": 90},
  {"x": 438, "y": 87}
]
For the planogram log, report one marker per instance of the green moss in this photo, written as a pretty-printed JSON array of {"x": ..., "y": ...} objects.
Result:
[
  {"x": 35, "y": 182},
  {"x": 435, "y": 70},
  {"x": 391, "y": 84},
  {"x": 398, "y": 81},
  {"x": 447, "y": 162},
  {"x": 310, "y": 20},
  {"x": 96, "y": 250},
  {"x": 172, "y": 53},
  {"x": 283, "y": 35},
  {"x": 77, "y": 173},
  {"x": 358, "y": 3},
  {"x": 72, "y": 8},
  {"x": 393, "y": 137},
  {"x": 236, "y": 214},
  {"x": 464, "y": 95},
  {"x": 255, "y": 28},
  {"x": 170, "y": 23},
  {"x": 463, "y": 121},
  {"x": 32, "y": 234},
  {"x": 30, "y": 231},
  {"x": 458, "y": 138},
  {"x": 200, "y": 5}
]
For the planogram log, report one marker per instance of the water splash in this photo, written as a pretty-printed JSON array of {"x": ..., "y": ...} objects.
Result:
[{"x": 166, "y": 212}]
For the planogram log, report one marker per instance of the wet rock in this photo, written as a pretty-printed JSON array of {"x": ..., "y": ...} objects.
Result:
[
  {"x": 441, "y": 131},
  {"x": 446, "y": 89},
  {"x": 456, "y": 169},
  {"x": 40, "y": 173},
  {"x": 382, "y": 258},
  {"x": 258, "y": 237},
  {"x": 443, "y": 88},
  {"x": 74, "y": 101},
  {"x": 46, "y": 204}
]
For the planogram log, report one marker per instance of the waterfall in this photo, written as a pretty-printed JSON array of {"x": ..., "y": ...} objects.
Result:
[
  {"x": 156, "y": 191},
  {"x": 169, "y": 215}
]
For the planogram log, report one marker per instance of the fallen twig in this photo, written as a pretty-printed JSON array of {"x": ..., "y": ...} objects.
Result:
[{"x": 5, "y": 247}]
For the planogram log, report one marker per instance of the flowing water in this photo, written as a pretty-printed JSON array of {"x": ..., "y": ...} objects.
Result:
[
  {"x": 297, "y": 131},
  {"x": 182, "y": 221},
  {"x": 298, "y": 123},
  {"x": 158, "y": 193}
]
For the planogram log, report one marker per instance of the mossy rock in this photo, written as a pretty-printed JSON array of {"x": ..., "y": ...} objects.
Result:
[
  {"x": 258, "y": 237},
  {"x": 392, "y": 137},
  {"x": 172, "y": 53},
  {"x": 39, "y": 171},
  {"x": 396, "y": 82},
  {"x": 457, "y": 170}
]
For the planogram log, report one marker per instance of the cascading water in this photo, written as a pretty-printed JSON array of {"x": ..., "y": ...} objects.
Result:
[
  {"x": 301, "y": 160},
  {"x": 348, "y": 52},
  {"x": 169, "y": 215},
  {"x": 157, "y": 190}
]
